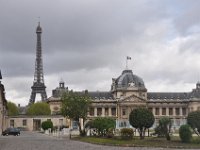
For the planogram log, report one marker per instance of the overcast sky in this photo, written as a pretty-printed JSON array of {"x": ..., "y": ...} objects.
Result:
[{"x": 85, "y": 43}]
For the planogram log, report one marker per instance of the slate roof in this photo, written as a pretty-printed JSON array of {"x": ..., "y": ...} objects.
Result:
[
  {"x": 168, "y": 95},
  {"x": 2, "y": 94},
  {"x": 195, "y": 93},
  {"x": 128, "y": 77},
  {"x": 100, "y": 95}
]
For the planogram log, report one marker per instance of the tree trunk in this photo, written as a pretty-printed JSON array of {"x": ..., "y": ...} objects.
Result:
[
  {"x": 141, "y": 136},
  {"x": 79, "y": 126},
  {"x": 141, "y": 133},
  {"x": 168, "y": 137}
]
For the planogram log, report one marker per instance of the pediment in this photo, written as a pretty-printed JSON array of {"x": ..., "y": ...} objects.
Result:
[{"x": 134, "y": 99}]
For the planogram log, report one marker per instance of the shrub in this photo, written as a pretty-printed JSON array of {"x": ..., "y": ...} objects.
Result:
[
  {"x": 164, "y": 127},
  {"x": 126, "y": 133},
  {"x": 158, "y": 131},
  {"x": 193, "y": 120},
  {"x": 102, "y": 125},
  {"x": 110, "y": 133},
  {"x": 47, "y": 124},
  {"x": 185, "y": 133}
]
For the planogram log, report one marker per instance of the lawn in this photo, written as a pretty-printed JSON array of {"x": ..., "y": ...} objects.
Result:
[{"x": 147, "y": 142}]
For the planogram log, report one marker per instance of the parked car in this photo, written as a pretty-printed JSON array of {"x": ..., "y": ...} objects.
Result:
[{"x": 11, "y": 131}]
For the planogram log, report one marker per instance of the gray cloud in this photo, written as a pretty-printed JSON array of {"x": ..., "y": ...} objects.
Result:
[{"x": 86, "y": 43}]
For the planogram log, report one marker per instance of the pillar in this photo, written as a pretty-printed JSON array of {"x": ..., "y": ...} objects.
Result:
[
  {"x": 160, "y": 111},
  {"x": 167, "y": 111},
  {"x": 181, "y": 111},
  {"x": 154, "y": 111},
  {"x": 103, "y": 111},
  {"x": 95, "y": 111},
  {"x": 109, "y": 112},
  {"x": 174, "y": 111}
]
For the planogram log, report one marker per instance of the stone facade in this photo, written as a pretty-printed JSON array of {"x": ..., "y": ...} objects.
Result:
[
  {"x": 33, "y": 123},
  {"x": 3, "y": 109},
  {"x": 128, "y": 92}
]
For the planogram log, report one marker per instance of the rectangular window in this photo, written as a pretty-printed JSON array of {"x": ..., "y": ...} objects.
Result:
[
  {"x": 12, "y": 123},
  {"x": 157, "y": 111},
  {"x": 24, "y": 122},
  {"x": 106, "y": 111},
  {"x": 184, "y": 111},
  {"x": 91, "y": 111},
  {"x": 170, "y": 111},
  {"x": 178, "y": 122},
  {"x": 177, "y": 111},
  {"x": 163, "y": 111},
  {"x": 113, "y": 111},
  {"x": 123, "y": 112},
  {"x": 99, "y": 111}
]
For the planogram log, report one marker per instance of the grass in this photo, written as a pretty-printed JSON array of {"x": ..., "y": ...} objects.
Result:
[{"x": 147, "y": 142}]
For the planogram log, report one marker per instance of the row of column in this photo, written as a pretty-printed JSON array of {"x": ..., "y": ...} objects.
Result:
[
  {"x": 103, "y": 113},
  {"x": 174, "y": 113}
]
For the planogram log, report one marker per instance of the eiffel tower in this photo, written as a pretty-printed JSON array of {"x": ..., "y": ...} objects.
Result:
[{"x": 38, "y": 83}]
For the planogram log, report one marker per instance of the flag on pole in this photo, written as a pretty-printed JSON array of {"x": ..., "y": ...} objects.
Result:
[{"x": 128, "y": 58}]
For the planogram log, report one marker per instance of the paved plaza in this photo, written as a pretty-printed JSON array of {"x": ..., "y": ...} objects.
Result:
[{"x": 38, "y": 141}]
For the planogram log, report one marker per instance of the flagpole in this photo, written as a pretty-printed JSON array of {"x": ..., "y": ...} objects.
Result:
[
  {"x": 126, "y": 64},
  {"x": 127, "y": 58}
]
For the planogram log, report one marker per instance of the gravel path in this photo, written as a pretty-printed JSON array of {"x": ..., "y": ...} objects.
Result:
[{"x": 38, "y": 141}]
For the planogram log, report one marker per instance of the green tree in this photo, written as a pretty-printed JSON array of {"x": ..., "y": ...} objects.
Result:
[
  {"x": 141, "y": 119},
  {"x": 102, "y": 125},
  {"x": 47, "y": 124},
  {"x": 12, "y": 109},
  {"x": 75, "y": 106},
  {"x": 193, "y": 120},
  {"x": 185, "y": 133},
  {"x": 39, "y": 108},
  {"x": 164, "y": 127}
]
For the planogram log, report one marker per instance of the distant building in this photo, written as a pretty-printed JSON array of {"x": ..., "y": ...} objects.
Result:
[
  {"x": 128, "y": 92},
  {"x": 33, "y": 123},
  {"x": 3, "y": 107}
]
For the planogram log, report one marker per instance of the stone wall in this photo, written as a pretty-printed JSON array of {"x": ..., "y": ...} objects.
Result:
[{"x": 32, "y": 123}]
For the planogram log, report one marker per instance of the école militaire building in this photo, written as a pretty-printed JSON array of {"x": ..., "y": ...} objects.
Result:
[{"x": 128, "y": 92}]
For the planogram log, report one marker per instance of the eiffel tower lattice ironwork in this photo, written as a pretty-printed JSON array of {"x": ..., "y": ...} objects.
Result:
[{"x": 38, "y": 83}]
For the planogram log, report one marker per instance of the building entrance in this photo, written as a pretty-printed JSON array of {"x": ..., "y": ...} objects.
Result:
[{"x": 36, "y": 124}]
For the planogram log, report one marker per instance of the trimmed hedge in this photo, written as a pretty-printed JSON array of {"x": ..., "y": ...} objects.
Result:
[
  {"x": 185, "y": 133},
  {"x": 126, "y": 133},
  {"x": 47, "y": 124}
]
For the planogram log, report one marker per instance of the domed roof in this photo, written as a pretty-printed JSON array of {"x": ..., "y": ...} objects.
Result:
[{"x": 127, "y": 79}]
